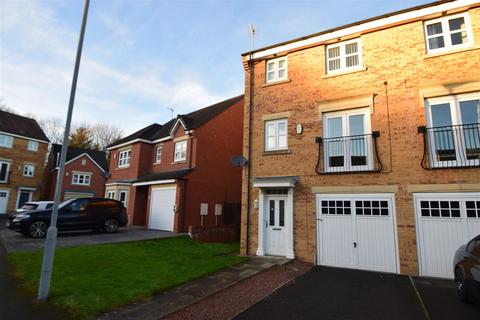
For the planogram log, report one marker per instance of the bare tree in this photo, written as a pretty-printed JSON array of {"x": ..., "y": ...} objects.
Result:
[
  {"x": 104, "y": 134},
  {"x": 5, "y": 107},
  {"x": 53, "y": 128}
]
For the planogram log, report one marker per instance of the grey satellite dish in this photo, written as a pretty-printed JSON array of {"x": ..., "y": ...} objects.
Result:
[{"x": 238, "y": 161}]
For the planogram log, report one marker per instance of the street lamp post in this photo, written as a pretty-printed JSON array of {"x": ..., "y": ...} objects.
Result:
[{"x": 50, "y": 241}]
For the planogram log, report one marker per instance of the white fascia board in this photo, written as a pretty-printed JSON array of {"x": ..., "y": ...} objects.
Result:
[
  {"x": 23, "y": 137},
  {"x": 128, "y": 143},
  {"x": 79, "y": 156},
  {"x": 174, "y": 128},
  {"x": 118, "y": 184},
  {"x": 148, "y": 183},
  {"x": 162, "y": 139},
  {"x": 383, "y": 22}
]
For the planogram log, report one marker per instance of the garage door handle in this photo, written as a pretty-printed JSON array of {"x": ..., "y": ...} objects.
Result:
[{"x": 354, "y": 244}]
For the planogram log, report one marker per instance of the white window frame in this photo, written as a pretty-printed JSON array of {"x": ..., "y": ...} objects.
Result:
[
  {"x": 28, "y": 170},
  {"x": 446, "y": 33},
  {"x": 454, "y": 102},
  {"x": 8, "y": 171},
  {"x": 345, "y": 114},
  {"x": 124, "y": 158},
  {"x": 343, "y": 56},
  {"x": 276, "y": 70},
  {"x": 32, "y": 145},
  {"x": 81, "y": 179},
  {"x": 180, "y": 151},
  {"x": 158, "y": 153},
  {"x": 6, "y": 141},
  {"x": 110, "y": 194},
  {"x": 125, "y": 192},
  {"x": 275, "y": 123}
]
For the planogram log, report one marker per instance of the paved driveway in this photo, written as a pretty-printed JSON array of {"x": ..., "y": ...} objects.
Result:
[
  {"x": 14, "y": 241},
  {"x": 331, "y": 293}
]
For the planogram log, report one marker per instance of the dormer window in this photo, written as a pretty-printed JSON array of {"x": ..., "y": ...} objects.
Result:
[
  {"x": 180, "y": 151},
  {"x": 124, "y": 158},
  {"x": 276, "y": 70},
  {"x": 448, "y": 33},
  {"x": 344, "y": 56}
]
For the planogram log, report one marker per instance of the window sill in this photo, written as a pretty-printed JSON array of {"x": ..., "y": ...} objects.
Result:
[
  {"x": 273, "y": 83},
  {"x": 341, "y": 73},
  {"x": 276, "y": 152},
  {"x": 451, "y": 51},
  {"x": 157, "y": 163},
  {"x": 179, "y": 162},
  {"x": 121, "y": 168}
]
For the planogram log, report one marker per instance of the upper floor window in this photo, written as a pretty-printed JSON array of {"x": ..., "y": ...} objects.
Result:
[
  {"x": 276, "y": 134},
  {"x": 158, "y": 154},
  {"x": 448, "y": 32},
  {"x": 6, "y": 141},
  {"x": 348, "y": 141},
  {"x": 124, "y": 158},
  {"x": 32, "y": 145},
  {"x": 81, "y": 179},
  {"x": 180, "y": 151},
  {"x": 28, "y": 170},
  {"x": 344, "y": 56},
  {"x": 454, "y": 130},
  {"x": 4, "y": 171},
  {"x": 276, "y": 69}
]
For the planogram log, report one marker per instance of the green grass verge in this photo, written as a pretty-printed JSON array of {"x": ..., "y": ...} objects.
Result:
[{"x": 88, "y": 280}]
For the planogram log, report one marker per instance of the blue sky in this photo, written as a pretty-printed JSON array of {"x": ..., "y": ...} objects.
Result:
[{"x": 141, "y": 57}]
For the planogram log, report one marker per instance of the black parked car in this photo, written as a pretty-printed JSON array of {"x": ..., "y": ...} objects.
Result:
[
  {"x": 73, "y": 214},
  {"x": 467, "y": 271}
]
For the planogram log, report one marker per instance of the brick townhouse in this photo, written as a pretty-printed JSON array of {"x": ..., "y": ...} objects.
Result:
[
  {"x": 179, "y": 174},
  {"x": 364, "y": 142},
  {"x": 23, "y": 149},
  {"x": 86, "y": 172}
]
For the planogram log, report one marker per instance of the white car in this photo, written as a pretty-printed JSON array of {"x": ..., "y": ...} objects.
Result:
[{"x": 34, "y": 205}]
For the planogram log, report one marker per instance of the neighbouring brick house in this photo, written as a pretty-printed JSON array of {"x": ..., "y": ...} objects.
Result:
[
  {"x": 86, "y": 172},
  {"x": 365, "y": 142},
  {"x": 23, "y": 149},
  {"x": 179, "y": 174}
]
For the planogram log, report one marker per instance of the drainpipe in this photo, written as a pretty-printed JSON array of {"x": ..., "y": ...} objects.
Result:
[{"x": 249, "y": 168}]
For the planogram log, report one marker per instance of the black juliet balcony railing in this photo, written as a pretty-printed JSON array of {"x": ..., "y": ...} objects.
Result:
[
  {"x": 348, "y": 154},
  {"x": 451, "y": 146}
]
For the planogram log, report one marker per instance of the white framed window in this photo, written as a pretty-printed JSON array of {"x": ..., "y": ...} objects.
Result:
[
  {"x": 6, "y": 141},
  {"x": 276, "y": 134},
  {"x": 454, "y": 130},
  {"x": 158, "y": 154},
  {"x": 122, "y": 197},
  {"x": 180, "y": 151},
  {"x": 344, "y": 56},
  {"x": 277, "y": 70},
  {"x": 111, "y": 194},
  {"x": 82, "y": 179},
  {"x": 32, "y": 145},
  {"x": 124, "y": 158},
  {"x": 347, "y": 142},
  {"x": 448, "y": 33},
  {"x": 4, "y": 171},
  {"x": 28, "y": 170}
]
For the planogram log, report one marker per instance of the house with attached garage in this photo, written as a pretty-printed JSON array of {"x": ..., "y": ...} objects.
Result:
[
  {"x": 363, "y": 142},
  {"x": 23, "y": 150},
  {"x": 86, "y": 172},
  {"x": 178, "y": 174}
]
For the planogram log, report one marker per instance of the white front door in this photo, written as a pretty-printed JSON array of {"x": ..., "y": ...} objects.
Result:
[
  {"x": 275, "y": 225},
  {"x": 3, "y": 200},
  {"x": 162, "y": 208},
  {"x": 444, "y": 223},
  {"x": 357, "y": 231}
]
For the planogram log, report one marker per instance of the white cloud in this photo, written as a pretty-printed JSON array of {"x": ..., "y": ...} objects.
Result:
[{"x": 36, "y": 72}]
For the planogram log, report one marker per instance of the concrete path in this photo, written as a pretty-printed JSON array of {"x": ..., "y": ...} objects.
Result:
[
  {"x": 14, "y": 241},
  {"x": 173, "y": 300}
]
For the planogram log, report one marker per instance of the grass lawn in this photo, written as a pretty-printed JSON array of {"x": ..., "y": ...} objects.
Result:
[{"x": 90, "y": 279}]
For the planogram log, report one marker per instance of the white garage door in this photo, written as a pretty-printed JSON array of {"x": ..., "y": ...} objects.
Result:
[
  {"x": 162, "y": 209},
  {"x": 357, "y": 231},
  {"x": 444, "y": 223}
]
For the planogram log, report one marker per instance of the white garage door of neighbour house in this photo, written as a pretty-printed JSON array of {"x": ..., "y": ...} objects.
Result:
[
  {"x": 162, "y": 209},
  {"x": 445, "y": 221},
  {"x": 357, "y": 231}
]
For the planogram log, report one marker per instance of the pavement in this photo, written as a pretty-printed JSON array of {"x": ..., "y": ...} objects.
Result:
[
  {"x": 166, "y": 303},
  {"x": 332, "y": 293},
  {"x": 14, "y": 241}
]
